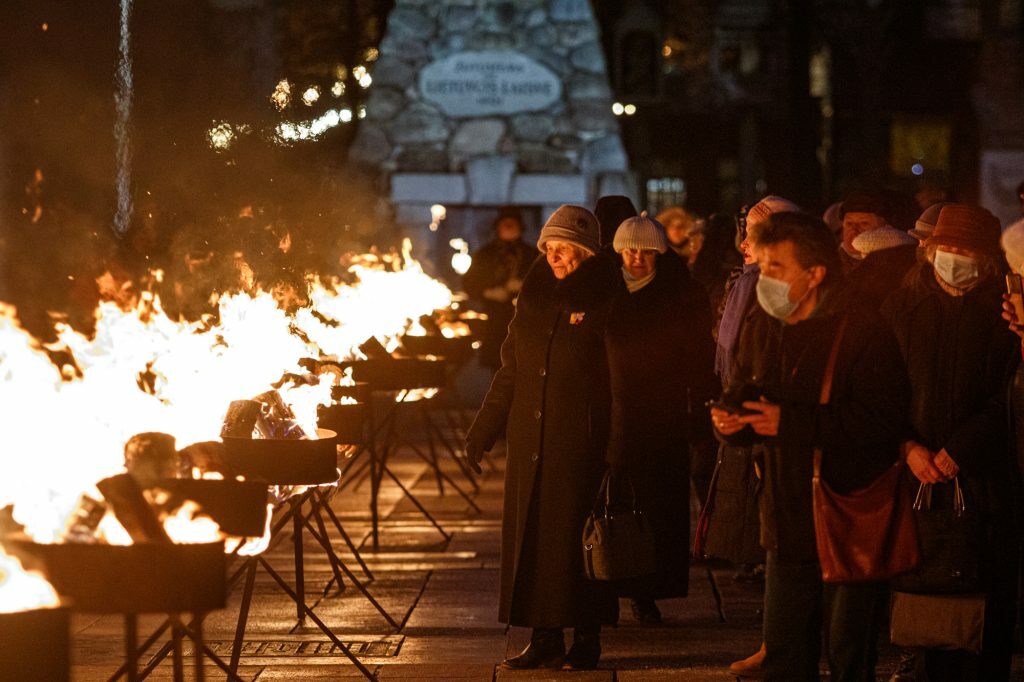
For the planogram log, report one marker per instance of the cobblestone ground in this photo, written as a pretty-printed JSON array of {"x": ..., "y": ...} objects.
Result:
[{"x": 442, "y": 594}]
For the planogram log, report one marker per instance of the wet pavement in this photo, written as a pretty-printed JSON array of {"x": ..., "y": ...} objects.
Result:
[{"x": 442, "y": 595}]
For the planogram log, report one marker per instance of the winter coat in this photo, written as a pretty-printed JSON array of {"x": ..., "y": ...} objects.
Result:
[
  {"x": 494, "y": 264},
  {"x": 859, "y": 431},
  {"x": 551, "y": 397},
  {"x": 960, "y": 358},
  {"x": 881, "y": 273},
  {"x": 661, "y": 368}
]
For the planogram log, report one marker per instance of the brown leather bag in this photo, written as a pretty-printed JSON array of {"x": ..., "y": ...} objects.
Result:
[{"x": 869, "y": 534}]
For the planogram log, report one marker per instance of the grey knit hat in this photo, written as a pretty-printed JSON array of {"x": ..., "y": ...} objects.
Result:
[
  {"x": 641, "y": 233},
  {"x": 925, "y": 224},
  {"x": 573, "y": 224}
]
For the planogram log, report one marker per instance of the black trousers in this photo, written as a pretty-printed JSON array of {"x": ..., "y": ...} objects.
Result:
[{"x": 796, "y": 607}]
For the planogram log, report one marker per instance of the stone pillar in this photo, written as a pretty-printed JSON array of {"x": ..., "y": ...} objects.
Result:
[{"x": 490, "y": 102}]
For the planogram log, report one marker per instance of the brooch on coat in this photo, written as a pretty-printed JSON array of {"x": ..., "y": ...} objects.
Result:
[{"x": 576, "y": 318}]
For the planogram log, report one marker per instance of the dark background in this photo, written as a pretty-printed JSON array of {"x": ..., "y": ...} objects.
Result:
[{"x": 726, "y": 109}]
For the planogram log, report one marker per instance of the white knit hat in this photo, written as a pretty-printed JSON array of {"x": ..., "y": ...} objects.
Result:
[
  {"x": 640, "y": 233},
  {"x": 880, "y": 239},
  {"x": 573, "y": 224},
  {"x": 1012, "y": 242}
]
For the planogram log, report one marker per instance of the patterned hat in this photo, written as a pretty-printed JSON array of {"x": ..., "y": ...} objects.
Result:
[{"x": 760, "y": 211}]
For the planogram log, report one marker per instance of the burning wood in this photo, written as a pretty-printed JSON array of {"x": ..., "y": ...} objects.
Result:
[
  {"x": 151, "y": 458},
  {"x": 132, "y": 510}
]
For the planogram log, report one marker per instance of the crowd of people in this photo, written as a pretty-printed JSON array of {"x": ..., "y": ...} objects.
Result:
[{"x": 759, "y": 359}]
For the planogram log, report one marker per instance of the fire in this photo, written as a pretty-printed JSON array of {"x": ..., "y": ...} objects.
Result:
[
  {"x": 22, "y": 590},
  {"x": 142, "y": 371}
]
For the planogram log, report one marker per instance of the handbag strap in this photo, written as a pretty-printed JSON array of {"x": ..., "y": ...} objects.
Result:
[
  {"x": 923, "y": 500},
  {"x": 826, "y": 383}
]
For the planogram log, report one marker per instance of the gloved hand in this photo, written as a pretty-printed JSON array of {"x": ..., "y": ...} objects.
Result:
[{"x": 474, "y": 455}]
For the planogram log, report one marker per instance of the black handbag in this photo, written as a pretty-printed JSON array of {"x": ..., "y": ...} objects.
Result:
[
  {"x": 951, "y": 543},
  {"x": 618, "y": 541}
]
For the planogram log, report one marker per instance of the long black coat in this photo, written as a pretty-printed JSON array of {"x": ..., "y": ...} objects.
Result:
[
  {"x": 552, "y": 394},
  {"x": 859, "y": 431},
  {"x": 960, "y": 357},
  {"x": 661, "y": 368}
]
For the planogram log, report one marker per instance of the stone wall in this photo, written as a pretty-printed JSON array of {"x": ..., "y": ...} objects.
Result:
[{"x": 487, "y": 102}]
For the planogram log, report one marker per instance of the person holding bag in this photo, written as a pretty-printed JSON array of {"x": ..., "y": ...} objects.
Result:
[
  {"x": 551, "y": 399},
  {"x": 661, "y": 372},
  {"x": 783, "y": 357},
  {"x": 960, "y": 357}
]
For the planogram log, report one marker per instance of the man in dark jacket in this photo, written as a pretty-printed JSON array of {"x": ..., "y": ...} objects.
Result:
[
  {"x": 780, "y": 369},
  {"x": 494, "y": 279}
]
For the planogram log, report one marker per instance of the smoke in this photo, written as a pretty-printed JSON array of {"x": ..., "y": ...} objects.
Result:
[{"x": 122, "y": 127}]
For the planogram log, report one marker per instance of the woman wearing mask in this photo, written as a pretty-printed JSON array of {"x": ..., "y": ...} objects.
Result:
[
  {"x": 958, "y": 355},
  {"x": 551, "y": 398}
]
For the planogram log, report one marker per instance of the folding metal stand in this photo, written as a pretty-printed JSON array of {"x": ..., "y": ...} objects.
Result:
[
  {"x": 313, "y": 523},
  {"x": 179, "y": 633}
]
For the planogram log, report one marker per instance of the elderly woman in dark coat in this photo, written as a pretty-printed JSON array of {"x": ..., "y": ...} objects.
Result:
[
  {"x": 551, "y": 397},
  {"x": 661, "y": 369},
  {"x": 959, "y": 356}
]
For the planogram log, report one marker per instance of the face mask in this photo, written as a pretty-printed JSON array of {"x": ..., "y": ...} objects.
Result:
[
  {"x": 773, "y": 295},
  {"x": 956, "y": 270}
]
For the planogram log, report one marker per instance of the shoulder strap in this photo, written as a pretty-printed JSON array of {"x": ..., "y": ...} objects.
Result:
[{"x": 826, "y": 382}]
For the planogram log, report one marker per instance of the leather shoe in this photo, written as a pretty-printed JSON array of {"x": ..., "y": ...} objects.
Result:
[
  {"x": 751, "y": 666},
  {"x": 585, "y": 651},
  {"x": 545, "y": 650},
  {"x": 646, "y": 611}
]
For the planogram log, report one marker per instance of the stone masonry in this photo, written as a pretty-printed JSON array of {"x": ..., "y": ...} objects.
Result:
[{"x": 491, "y": 102}]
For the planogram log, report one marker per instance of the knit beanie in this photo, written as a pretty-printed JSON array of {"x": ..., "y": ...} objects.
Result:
[
  {"x": 610, "y": 211},
  {"x": 926, "y": 222},
  {"x": 880, "y": 239},
  {"x": 640, "y": 233},
  {"x": 1012, "y": 242},
  {"x": 573, "y": 224},
  {"x": 760, "y": 211},
  {"x": 966, "y": 227}
]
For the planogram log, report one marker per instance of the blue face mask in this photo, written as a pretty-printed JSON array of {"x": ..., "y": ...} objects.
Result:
[
  {"x": 773, "y": 295},
  {"x": 956, "y": 270}
]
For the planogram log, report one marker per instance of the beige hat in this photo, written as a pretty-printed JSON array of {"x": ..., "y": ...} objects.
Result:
[
  {"x": 881, "y": 239},
  {"x": 641, "y": 233},
  {"x": 1012, "y": 241},
  {"x": 573, "y": 224}
]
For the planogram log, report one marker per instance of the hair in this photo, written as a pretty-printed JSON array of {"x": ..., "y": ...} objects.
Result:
[
  {"x": 989, "y": 266},
  {"x": 812, "y": 240}
]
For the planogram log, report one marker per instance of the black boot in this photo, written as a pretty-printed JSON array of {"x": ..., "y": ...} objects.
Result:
[
  {"x": 545, "y": 650},
  {"x": 646, "y": 611},
  {"x": 586, "y": 649}
]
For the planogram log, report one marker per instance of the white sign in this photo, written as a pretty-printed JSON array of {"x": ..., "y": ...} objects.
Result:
[{"x": 469, "y": 84}]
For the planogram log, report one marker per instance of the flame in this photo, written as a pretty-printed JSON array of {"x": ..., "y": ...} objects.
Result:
[
  {"x": 142, "y": 371},
  {"x": 188, "y": 525},
  {"x": 22, "y": 590}
]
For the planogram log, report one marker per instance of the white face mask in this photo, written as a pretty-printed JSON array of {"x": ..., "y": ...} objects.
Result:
[
  {"x": 956, "y": 270},
  {"x": 773, "y": 295}
]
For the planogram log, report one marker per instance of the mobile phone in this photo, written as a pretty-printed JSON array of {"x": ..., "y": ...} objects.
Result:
[
  {"x": 1015, "y": 288},
  {"x": 728, "y": 407}
]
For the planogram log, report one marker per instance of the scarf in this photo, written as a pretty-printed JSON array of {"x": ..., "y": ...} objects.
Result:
[
  {"x": 634, "y": 284},
  {"x": 736, "y": 306}
]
